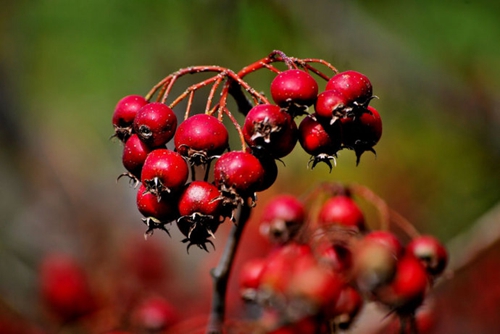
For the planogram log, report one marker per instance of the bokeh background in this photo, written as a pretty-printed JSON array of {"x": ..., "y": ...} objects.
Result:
[{"x": 434, "y": 65}]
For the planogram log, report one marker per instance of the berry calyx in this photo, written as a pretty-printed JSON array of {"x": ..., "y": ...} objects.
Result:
[
  {"x": 356, "y": 87},
  {"x": 155, "y": 124},
  {"x": 430, "y": 252},
  {"x": 331, "y": 105},
  {"x": 164, "y": 171},
  {"x": 294, "y": 88},
  {"x": 123, "y": 117},
  {"x": 156, "y": 212},
  {"x": 201, "y": 138},
  {"x": 282, "y": 218}
]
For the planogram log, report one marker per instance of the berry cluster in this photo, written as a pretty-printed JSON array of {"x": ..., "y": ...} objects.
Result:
[
  {"x": 327, "y": 263},
  {"x": 169, "y": 189}
]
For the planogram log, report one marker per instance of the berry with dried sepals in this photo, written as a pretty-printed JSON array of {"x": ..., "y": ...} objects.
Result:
[
  {"x": 331, "y": 105},
  {"x": 282, "y": 218},
  {"x": 201, "y": 138},
  {"x": 135, "y": 152},
  {"x": 156, "y": 212},
  {"x": 322, "y": 141},
  {"x": 155, "y": 124},
  {"x": 362, "y": 132},
  {"x": 124, "y": 115},
  {"x": 198, "y": 234},
  {"x": 164, "y": 171},
  {"x": 356, "y": 87},
  {"x": 294, "y": 90},
  {"x": 268, "y": 126},
  {"x": 430, "y": 252}
]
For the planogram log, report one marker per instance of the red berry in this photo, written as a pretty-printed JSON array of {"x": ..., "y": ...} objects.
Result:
[
  {"x": 164, "y": 171},
  {"x": 342, "y": 210},
  {"x": 200, "y": 138},
  {"x": 320, "y": 140},
  {"x": 268, "y": 126},
  {"x": 348, "y": 305},
  {"x": 249, "y": 279},
  {"x": 124, "y": 115},
  {"x": 161, "y": 211},
  {"x": 239, "y": 172},
  {"x": 430, "y": 252},
  {"x": 330, "y": 105},
  {"x": 294, "y": 87},
  {"x": 337, "y": 256},
  {"x": 282, "y": 218},
  {"x": 135, "y": 152},
  {"x": 387, "y": 239},
  {"x": 154, "y": 314},
  {"x": 65, "y": 288},
  {"x": 362, "y": 132},
  {"x": 155, "y": 124},
  {"x": 356, "y": 87}
]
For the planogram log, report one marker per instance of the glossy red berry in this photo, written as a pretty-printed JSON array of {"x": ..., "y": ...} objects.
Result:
[
  {"x": 268, "y": 126},
  {"x": 164, "y": 171},
  {"x": 282, "y": 218},
  {"x": 65, "y": 288},
  {"x": 356, "y": 87},
  {"x": 154, "y": 315},
  {"x": 155, "y": 124},
  {"x": 124, "y": 115},
  {"x": 135, "y": 152},
  {"x": 294, "y": 87},
  {"x": 342, "y": 210},
  {"x": 201, "y": 198},
  {"x": 330, "y": 105},
  {"x": 238, "y": 172},
  {"x": 362, "y": 132},
  {"x": 430, "y": 252},
  {"x": 160, "y": 211},
  {"x": 200, "y": 138}
]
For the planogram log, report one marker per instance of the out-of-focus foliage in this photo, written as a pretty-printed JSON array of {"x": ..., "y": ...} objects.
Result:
[{"x": 64, "y": 64}]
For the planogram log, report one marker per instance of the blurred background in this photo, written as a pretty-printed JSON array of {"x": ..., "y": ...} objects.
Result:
[{"x": 64, "y": 65}]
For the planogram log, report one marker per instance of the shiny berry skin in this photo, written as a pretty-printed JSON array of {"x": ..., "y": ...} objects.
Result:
[
  {"x": 200, "y": 197},
  {"x": 294, "y": 87},
  {"x": 200, "y": 138},
  {"x": 163, "y": 210},
  {"x": 154, "y": 315},
  {"x": 268, "y": 126},
  {"x": 155, "y": 124},
  {"x": 356, "y": 87},
  {"x": 430, "y": 252},
  {"x": 342, "y": 210},
  {"x": 65, "y": 288},
  {"x": 135, "y": 152},
  {"x": 362, "y": 132},
  {"x": 282, "y": 218},
  {"x": 164, "y": 171},
  {"x": 330, "y": 105},
  {"x": 408, "y": 288},
  {"x": 125, "y": 111},
  {"x": 387, "y": 239},
  {"x": 321, "y": 140},
  {"x": 238, "y": 171}
]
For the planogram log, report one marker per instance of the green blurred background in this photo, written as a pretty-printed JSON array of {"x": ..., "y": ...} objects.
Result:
[{"x": 435, "y": 66}]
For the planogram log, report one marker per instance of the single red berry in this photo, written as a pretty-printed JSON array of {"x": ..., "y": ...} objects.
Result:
[
  {"x": 362, "y": 132},
  {"x": 408, "y": 288},
  {"x": 387, "y": 239},
  {"x": 294, "y": 87},
  {"x": 201, "y": 138},
  {"x": 160, "y": 211},
  {"x": 154, "y": 315},
  {"x": 155, "y": 124},
  {"x": 249, "y": 278},
  {"x": 430, "y": 252},
  {"x": 135, "y": 152},
  {"x": 268, "y": 126},
  {"x": 268, "y": 165},
  {"x": 331, "y": 105},
  {"x": 282, "y": 218},
  {"x": 124, "y": 115},
  {"x": 356, "y": 87},
  {"x": 238, "y": 172},
  {"x": 200, "y": 197},
  {"x": 342, "y": 210},
  {"x": 336, "y": 255},
  {"x": 65, "y": 288},
  {"x": 164, "y": 171},
  {"x": 320, "y": 140},
  {"x": 348, "y": 305}
]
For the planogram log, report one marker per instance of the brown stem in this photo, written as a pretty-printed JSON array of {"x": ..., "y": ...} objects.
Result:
[{"x": 220, "y": 274}]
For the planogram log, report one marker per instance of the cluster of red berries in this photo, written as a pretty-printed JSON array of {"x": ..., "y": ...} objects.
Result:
[
  {"x": 170, "y": 190},
  {"x": 327, "y": 264}
]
